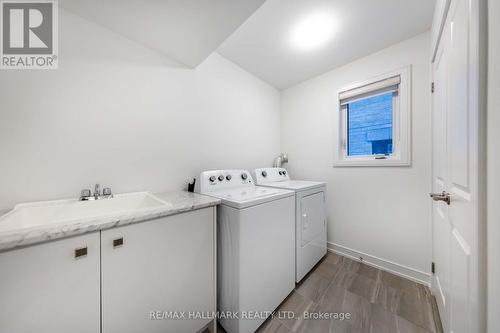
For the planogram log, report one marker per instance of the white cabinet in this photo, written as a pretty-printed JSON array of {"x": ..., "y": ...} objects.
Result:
[
  {"x": 163, "y": 265},
  {"x": 44, "y": 288}
]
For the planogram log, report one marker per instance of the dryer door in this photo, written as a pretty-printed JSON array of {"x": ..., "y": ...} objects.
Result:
[{"x": 312, "y": 220}]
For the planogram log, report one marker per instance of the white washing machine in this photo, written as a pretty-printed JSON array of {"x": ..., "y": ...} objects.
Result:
[
  {"x": 255, "y": 247},
  {"x": 310, "y": 216}
]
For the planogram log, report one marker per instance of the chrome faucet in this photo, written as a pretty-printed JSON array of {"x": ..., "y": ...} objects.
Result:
[
  {"x": 97, "y": 191},
  {"x": 86, "y": 194}
]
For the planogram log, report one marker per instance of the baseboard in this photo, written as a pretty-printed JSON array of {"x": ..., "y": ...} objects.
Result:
[{"x": 386, "y": 265}]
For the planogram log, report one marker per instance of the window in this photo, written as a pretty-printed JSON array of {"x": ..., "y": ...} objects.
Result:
[
  {"x": 374, "y": 122},
  {"x": 369, "y": 125}
]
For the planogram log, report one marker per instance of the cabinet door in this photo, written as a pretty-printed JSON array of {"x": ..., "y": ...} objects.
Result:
[
  {"x": 45, "y": 288},
  {"x": 164, "y": 265}
]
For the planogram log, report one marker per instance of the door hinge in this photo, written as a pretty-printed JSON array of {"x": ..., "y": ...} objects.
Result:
[
  {"x": 432, "y": 87},
  {"x": 433, "y": 268}
]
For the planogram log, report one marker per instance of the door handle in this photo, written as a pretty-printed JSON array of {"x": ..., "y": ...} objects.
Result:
[
  {"x": 443, "y": 196},
  {"x": 117, "y": 242},
  {"x": 81, "y": 252}
]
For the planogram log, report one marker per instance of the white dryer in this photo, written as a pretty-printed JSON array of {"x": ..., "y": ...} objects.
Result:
[
  {"x": 255, "y": 247},
  {"x": 310, "y": 216}
]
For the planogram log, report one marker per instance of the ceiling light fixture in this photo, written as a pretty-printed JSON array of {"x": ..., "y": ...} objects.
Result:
[{"x": 313, "y": 31}]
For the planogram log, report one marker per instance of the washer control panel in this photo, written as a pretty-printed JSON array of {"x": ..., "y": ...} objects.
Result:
[
  {"x": 270, "y": 175},
  {"x": 215, "y": 180}
]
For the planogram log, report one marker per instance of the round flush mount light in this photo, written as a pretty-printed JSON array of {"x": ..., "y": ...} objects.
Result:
[{"x": 313, "y": 31}]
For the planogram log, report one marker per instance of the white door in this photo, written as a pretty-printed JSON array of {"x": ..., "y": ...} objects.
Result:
[
  {"x": 310, "y": 231},
  {"x": 313, "y": 217},
  {"x": 51, "y": 287},
  {"x": 455, "y": 152},
  {"x": 165, "y": 265}
]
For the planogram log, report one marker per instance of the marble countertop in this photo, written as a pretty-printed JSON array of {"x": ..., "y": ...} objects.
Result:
[{"x": 179, "y": 202}]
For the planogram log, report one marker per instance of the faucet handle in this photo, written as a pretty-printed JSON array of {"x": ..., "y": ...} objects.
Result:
[
  {"x": 85, "y": 194},
  {"x": 107, "y": 192}
]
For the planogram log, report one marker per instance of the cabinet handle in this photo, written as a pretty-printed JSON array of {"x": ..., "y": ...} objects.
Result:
[
  {"x": 118, "y": 242},
  {"x": 81, "y": 252}
]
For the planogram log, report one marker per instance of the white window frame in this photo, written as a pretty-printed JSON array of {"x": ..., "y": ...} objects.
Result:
[{"x": 401, "y": 127}]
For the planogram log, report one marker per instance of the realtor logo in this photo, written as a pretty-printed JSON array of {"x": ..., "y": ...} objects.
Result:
[{"x": 29, "y": 34}]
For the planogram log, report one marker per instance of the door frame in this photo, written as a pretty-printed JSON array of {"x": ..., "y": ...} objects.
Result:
[{"x": 478, "y": 108}]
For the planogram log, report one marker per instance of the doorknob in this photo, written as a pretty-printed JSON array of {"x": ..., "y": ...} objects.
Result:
[{"x": 443, "y": 196}]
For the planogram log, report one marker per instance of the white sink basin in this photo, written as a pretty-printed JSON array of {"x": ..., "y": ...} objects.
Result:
[{"x": 39, "y": 214}]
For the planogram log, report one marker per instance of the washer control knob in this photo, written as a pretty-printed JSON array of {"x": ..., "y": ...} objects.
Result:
[
  {"x": 221, "y": 178},
  {"x": 264, "y": 173},
  {"x": 284, "y": 173},
  {"x": 244, "y": 176},
  {"x": 212, "y": 178},
  {"x": 280, "y": 173},
  {"x": 228, "y": 177}
]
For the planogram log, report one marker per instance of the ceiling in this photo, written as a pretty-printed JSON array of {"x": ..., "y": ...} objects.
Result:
[
  {"x": 263, "y": 45},
  {"x": 187, "y": 31}
]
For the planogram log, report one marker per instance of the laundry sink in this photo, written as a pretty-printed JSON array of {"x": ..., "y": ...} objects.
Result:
[{"x": 41, "y": 214}]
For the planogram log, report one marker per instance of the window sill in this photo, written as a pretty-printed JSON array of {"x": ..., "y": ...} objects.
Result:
[{"x": 364, "y": 162}]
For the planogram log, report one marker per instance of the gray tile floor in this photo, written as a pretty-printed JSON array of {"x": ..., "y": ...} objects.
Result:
[{"x": 377, "y": 301}]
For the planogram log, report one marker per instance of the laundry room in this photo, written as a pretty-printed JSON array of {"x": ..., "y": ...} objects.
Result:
[{"x": 271, "y": 166}]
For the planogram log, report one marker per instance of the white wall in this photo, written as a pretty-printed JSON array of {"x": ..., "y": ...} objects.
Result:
[
  {"x": 493, "y": 166},
  {"x": 122, "y": 115},
  {"x": 384, "y": 211}
]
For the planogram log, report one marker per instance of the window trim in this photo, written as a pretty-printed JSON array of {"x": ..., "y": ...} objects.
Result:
[{"x": 401, "y": 155}]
